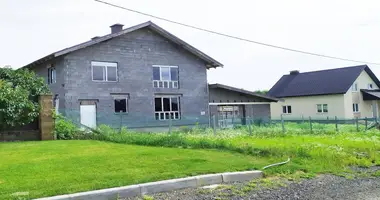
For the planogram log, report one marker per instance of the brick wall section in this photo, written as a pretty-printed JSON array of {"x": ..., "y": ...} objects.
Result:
[
  {"x": 135, "y": 54},
  {"x": 46, "y": 122},
  {"x": 23, "y": 135}
]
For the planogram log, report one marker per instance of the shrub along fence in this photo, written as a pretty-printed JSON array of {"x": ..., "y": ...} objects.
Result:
[{"x": 41, "y": 128}]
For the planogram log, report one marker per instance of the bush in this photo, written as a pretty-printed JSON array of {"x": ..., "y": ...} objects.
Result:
[{"x": 66, "y": 130}]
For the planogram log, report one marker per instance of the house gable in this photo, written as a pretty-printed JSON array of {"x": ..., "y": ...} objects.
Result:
[{"x": 210, "y": 62}]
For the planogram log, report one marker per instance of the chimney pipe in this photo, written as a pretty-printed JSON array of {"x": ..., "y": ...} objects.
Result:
[
  {"x": 116, "y": 28},
  {"x": 294, "y": 72}
]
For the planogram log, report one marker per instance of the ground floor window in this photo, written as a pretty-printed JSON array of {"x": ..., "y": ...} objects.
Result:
[
  {"x": 287, "y": 109},
  {"x": 121, "y": 105},
  {"x": 322, "y": 108},
  {"x": 167, "y": 107}
]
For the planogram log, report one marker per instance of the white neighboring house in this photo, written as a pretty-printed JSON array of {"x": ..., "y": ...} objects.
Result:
[{"x": 345, "y": 93}]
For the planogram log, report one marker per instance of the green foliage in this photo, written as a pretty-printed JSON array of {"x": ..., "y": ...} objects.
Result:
[
  {"x": 15, "y": 107},
  {"x": 65, "y": 129},
  {"x": 262, "y": 92},
  {"x": 309, "y": 152},
  {"x": 19, "y": 91}
]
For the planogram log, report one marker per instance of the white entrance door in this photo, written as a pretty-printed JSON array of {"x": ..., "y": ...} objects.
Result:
[{"x": 88, "y": 115}]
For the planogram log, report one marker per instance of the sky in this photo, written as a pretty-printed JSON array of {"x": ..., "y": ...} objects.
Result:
[{"x": 30, "y": 30}]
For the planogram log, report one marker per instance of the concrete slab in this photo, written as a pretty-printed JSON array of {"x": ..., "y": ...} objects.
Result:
[
  {"x": 209, "y": 179},
  {"x": 241, "y": 176},
  {"x": 169, "y": 185},
  {"x": 105, "y": 194}
]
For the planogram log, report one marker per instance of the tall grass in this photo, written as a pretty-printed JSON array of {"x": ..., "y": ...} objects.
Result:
[{"x": 310, "y": 152}]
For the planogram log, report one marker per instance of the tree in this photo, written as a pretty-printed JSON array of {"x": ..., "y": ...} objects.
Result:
[
  {"x": 19, "y": 91},
  {"x": 263, "y": 92}
]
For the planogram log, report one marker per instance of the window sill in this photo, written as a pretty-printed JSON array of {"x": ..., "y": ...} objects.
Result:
[{"x": 121, "y": 113}]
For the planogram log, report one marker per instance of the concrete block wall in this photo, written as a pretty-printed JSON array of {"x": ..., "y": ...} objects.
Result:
[{"x": 135, "y": 54}]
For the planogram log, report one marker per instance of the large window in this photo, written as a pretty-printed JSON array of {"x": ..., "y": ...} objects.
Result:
[
  {"x": 104, "y": 71},
  {"x": 322, "y": 108},
  {"x": 167, "y": 107},
  {"x": 287, "y": 109},
  {"x": 165, "y": 76},
  {"x": 52, "y": 75},
  {"x": 355, "y": 107}
]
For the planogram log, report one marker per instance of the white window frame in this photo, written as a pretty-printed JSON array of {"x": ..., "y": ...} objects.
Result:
[
  {"x": 126, "y": 105},
  {"x": 105, "y": 66},
  {"x": 286, "y": 109},
  {"x": 354, "y": 87},
  {"x": 322, "y": 110},
  {"x": 370, "y": 86},
  {"x": 355, "y": 109},
  {"x": 175, "y": 117},
  {"x": 52, "y": 77},
  {"x": 169, "y": 83}
]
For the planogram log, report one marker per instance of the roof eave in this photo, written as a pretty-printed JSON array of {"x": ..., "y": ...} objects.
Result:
[{"x": 217, "y": 85}]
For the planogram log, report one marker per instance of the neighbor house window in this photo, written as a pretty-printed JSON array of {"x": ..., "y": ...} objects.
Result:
[
  {"x": 355, "y": 107},
  {"x": 165, "y": 76},
  {"x": 52, "y": 75},
  {"x": 370, "y": 86},
  {"x": 104, "y": 71},
  {"x": 167, "y": 107},
  {"x": 121, "y": 105},
  {"x": 286, "y": 109},
  {"x": 322, "y": 108},
  {"x": 354, "y": 87}
]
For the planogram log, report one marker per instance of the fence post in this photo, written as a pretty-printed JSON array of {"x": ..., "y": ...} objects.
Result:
[
  {"x": 336, "y": 123},
  {"x": 357, "y": 124},
  {"x": 214, "y": 124},
  {"x": 311, "y": 125},
  {"x": 249, "y": 126},
  {"x": 366, "y": 123},
  {"x": 170, "y": 124},
  {"x": 282, "y": 124},
  {"x": 303, "y": 119}
]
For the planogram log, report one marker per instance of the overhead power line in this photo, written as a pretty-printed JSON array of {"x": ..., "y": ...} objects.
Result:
[{"x": 235, "y": 37}]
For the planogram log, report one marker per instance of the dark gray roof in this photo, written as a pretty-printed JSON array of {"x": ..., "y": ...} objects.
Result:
[
  {"x": 217, "y": 85},
  {"x": 211, "y": 63},
  {"x": 331, "y": 81},
  {"x": 371, "y": 94}
]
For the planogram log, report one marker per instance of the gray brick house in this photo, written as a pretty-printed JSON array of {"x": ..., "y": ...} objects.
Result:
[{"x": 136, "y": 77}]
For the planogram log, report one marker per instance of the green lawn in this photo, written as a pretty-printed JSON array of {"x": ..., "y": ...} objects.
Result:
[{"x": 60, "y": 167}]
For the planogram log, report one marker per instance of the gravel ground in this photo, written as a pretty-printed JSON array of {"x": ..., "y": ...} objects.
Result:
[{"x": 323, "y": 187}]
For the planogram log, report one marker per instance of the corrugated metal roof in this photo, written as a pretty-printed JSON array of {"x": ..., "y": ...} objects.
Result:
[{"x": 226, "y": 87}]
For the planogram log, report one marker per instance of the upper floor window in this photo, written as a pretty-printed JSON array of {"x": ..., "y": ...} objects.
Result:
[
  {"x": 52, "y": 75},
  {"x": 370, "y": 86},
  {"x": 165, "y": 76},
  {"x": 104, "y": 71},
  {"x": 287, "y": 109},
  {"x": 354, "y": 87},
  {"x": 355, "y": 107},
  {"x": 322, "y": 108}
]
